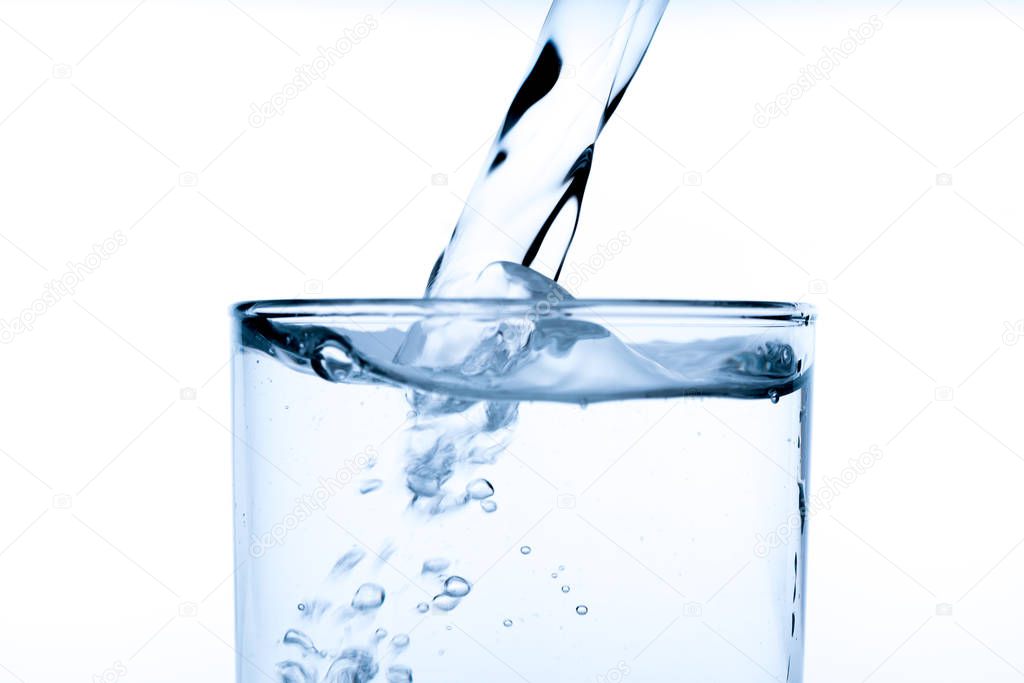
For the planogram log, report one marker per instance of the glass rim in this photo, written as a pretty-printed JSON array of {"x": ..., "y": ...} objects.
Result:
[{"x": 714, "y": 311}]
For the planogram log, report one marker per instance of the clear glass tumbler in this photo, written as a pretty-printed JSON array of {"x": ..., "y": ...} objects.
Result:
[{"x": 490, "y": 490}]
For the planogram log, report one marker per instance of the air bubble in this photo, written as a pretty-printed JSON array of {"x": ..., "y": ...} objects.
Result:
[
  {"x": 399, "y": 674},
  {"x": 507, "y": 623},
  {"x": 526, "y": 550},
  {"x": 422, "y": 607},
  {"x": 445, "y": 602},
  {"x": 488, "y": 505},
  {"x": 333, "y": 362},
  {"x": 581, "y": 610},
  {"x": 434, "y": 565},
  {"x": 773, "y": 396},
  {"x": 368, "y": 596},
  {"x": 400, "y": 640},
  {"x": 300, "y": 639},
  {"x": 479, "y": 489},
  {"x": 456, "y": 586},
  {"x": 380, "y": 634},
  {"x": 565, "y": 589}
]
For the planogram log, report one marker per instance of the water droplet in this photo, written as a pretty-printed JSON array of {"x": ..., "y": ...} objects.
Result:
[
  {"x": 581, "y": 609},
  {"x": 370, "y": 485},
  {"x": 554, "y": 575},
  {"x": 300, "y": 639},
  {"x": 507, "y": 623},
  {"x": 445, "y": 602},
  {"x": 399, "y": 674},
  {"x": 565, "y": 589},
  {"x": 302, "y": 607},
  {"x": 488, "y": 505},
  {"x": 561, "y": 567},
  {"x": 773, "y": 396},
  {"x": 456, "y": 586},
  {"x": 479, "y": 489},
  {"x": 422, "y": 607},
  {"x": 400, "y": 640},
  {"x": 380, "y": 634},
  {"x": 526, "y": 550},
  {"x": 368, "y": 596},
  {"x": 434, "y": 565}
]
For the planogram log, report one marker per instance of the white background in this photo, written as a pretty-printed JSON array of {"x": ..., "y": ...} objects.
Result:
[{"x": 132, "y": 116}]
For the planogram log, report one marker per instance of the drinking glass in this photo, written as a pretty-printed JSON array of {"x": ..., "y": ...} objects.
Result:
[{"x": 497, "y": 490}]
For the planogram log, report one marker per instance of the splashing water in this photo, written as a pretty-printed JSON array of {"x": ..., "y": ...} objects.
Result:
[{"x": 525, "y": 206}]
